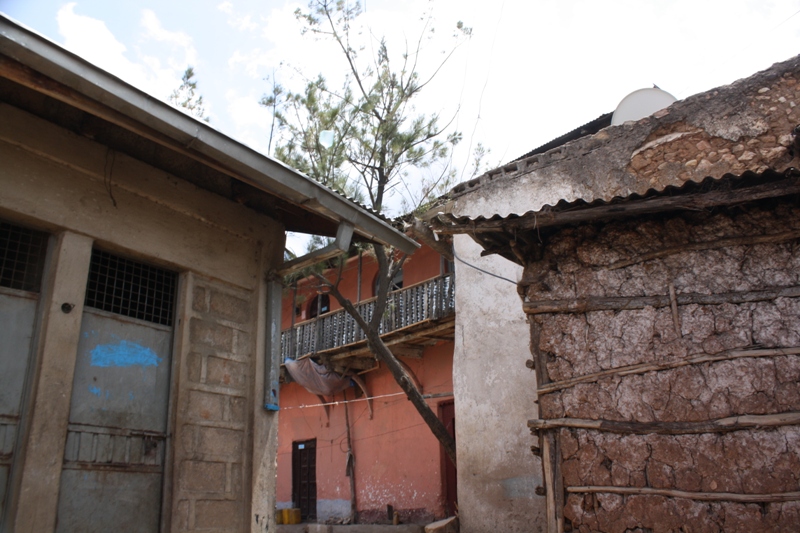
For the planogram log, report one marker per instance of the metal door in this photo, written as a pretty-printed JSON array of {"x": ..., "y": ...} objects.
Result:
[
  {"x": 115, "y": 449},
  {"x": 22, "y": 254},
  {"x": 17, "y": 317},
  {"x": 304, "y": 478}
]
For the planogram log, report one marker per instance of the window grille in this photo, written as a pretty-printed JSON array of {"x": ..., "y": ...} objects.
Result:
[
  {"x": 22, "y": 252},
  {"x": 130, "y": 288}
]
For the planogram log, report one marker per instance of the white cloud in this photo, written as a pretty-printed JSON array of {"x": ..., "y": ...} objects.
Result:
[
  {"x": 91, "y": 39},
  {"x": 226, "y": 7},
  {"x": 181, "y": 43},
  {"x": 250, "y": 120},
  {"x": 158, "y": 74},
  {"x": 235, "y": 20}
]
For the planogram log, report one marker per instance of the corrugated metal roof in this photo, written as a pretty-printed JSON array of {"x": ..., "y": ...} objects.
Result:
[
  {"x": 690, "y": 187},
  {"x": 590, "y": 128},
  {"x": 496, "y": 233}
]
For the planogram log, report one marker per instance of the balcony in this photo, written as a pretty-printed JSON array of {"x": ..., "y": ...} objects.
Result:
[{"x": 417, "y": 315}]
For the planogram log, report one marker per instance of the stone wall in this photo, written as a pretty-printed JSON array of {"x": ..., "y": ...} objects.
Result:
[
  {"x": 212, "y": 420},
  {"x": 750, "y": 376}
]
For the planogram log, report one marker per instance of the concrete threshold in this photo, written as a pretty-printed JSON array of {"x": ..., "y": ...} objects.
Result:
[{"x": 352, "y": 528}]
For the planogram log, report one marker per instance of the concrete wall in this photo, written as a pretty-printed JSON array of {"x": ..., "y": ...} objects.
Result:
[
  {"x": 220, "y": 459},
  {"x": 494, "y": 396}
]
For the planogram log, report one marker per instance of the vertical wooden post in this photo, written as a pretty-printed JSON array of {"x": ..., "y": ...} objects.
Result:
[
  {"x": 548, "y": 439},
  {"x": 360, "y": 271}
]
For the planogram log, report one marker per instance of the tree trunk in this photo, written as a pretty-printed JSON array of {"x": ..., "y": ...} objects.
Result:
[{"x": 385, "y": 355}]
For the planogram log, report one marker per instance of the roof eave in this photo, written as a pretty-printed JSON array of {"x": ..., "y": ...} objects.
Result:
[{"x": 258, "y": 170}]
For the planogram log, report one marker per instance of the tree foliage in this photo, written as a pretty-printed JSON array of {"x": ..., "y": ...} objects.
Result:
[
  {"x": 187, "y": 98},
  {"x": 380, "y": 143}
]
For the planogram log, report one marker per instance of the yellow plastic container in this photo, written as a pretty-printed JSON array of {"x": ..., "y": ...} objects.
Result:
[
  {"x": 279, "y": 516},
  {"x": 290, "y": 516}
]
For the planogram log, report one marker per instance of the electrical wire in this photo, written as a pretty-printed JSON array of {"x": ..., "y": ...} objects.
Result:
[
  {"x": 342, "y": 402},
  {"x": 479, "y": 269}
]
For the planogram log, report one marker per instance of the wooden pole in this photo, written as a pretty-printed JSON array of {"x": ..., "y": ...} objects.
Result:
[
  {"x": 602, "y": 303},
  {"x": 701, "y": 496},
  {"x": 741, "y": 240},
  {"x": 719, "y": 425},
  {"x": 641, "y": 368},
  {"x": 550, "y": 450}
]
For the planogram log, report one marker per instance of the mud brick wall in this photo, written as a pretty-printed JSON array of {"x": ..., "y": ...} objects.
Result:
[
  {"x": 211, "y": 459},
  {"x": 580, "y": 263}
]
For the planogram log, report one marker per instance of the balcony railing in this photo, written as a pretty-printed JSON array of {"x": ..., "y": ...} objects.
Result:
[{"x": 428, "y": 300}]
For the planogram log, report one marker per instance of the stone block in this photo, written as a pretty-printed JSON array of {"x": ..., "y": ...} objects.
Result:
[
  {"x": 241, "y": 344},
  {"x": 217, "y": 514},
  {"x": 218, "y": 441},
  {"x": 319, "y": 528},
  {"x": 201, "y": 476},
  {"x": 206, "y": 406},
  {"x": 229, "y": 307},
  {"x": 211, "y": 334},
  {"x": 235, "y": 479},
  {"x": 226, "y": 372},
  {"x": 236, "y": 411},
  {"x": 199, "y": 302},
  {"x": 195, "y": 364}
]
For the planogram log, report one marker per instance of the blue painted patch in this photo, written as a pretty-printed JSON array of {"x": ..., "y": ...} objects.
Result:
[
  {"x": 130, "y": 396},
  {"x": 124, "y": 354},
  {"x": 95, "y": 390}
]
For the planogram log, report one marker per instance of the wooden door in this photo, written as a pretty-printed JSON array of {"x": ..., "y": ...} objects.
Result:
[
  {"x": 447, "y": 413},
  {"x": 304, "y": 478}
]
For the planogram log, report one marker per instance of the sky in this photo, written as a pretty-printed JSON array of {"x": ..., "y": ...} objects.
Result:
[{"x": 531, "y": 71}]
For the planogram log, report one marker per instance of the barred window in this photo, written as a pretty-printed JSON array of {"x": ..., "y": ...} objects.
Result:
[
  {"x": 22, "y": 252},
  {"x": 130, "y": 288}
]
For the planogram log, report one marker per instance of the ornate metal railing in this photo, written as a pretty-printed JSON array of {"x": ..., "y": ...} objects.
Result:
[{"x": 428, "y": 300}]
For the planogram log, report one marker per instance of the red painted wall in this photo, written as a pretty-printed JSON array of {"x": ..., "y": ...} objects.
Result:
[{"x": 398, "y": 461}]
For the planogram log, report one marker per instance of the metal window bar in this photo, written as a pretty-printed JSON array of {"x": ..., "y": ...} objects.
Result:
[
  {"x": 430, "y": 300},
  {"x": 130, "y": 288},
  {"x": 22, "y": 252}
]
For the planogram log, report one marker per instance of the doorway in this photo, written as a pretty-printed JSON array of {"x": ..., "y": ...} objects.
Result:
[
  {"x": 447, "y": 414},
  {"x": 304, "y": 478}
]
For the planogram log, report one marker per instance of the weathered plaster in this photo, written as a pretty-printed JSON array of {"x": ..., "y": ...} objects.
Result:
[{"x": 494, "y": 397}]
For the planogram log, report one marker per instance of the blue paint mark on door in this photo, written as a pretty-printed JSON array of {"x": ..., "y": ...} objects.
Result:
[
  {"x": 95, "y": 390},
  {"x": 123, "y": 354}
]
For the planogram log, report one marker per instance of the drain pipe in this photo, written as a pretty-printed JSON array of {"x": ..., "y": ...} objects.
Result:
[{"x": 344, "y": 234}]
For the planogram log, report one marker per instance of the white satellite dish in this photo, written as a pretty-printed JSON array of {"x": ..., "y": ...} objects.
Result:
[{"x": 640, "y": 104}]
